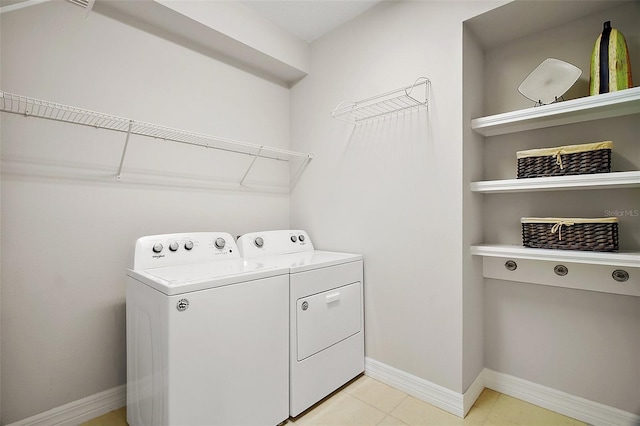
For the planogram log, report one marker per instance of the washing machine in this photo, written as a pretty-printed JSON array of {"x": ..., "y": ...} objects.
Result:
[
  {"x": 207, "y": 334},
  {"x": 326, "y": 312}
]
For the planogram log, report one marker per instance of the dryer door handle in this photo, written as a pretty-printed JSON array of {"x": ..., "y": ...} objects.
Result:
[{"x": 333, "y": 297}]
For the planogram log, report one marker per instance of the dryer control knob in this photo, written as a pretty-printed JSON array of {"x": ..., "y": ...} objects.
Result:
[
  {"x": 173, "y": 246},
  {"x": 188, "y": 245},
  {"x": 220, "y": 242},
  {"x": 258, "y": 241},
  {"x": 157, "y": 247},
  {"x": 301, "y": 237},
  {"x": 294, "y": 238}
]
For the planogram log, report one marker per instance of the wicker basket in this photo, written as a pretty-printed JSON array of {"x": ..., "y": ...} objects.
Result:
[
  {"x": 570, "y": 233},
  {"x": 565, "y": 160}
]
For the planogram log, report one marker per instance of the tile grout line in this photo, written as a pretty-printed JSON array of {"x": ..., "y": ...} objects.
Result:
[
  {"x": 406, "y": 395},
  {"x": 395, "y": 418}
]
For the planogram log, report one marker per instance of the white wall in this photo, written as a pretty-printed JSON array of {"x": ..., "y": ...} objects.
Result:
[
  {"x": 579, "y": 342},
  {"x": 473, "y": 289},
  {"x": 68, "y": 227},
  {"x": 392, "y": 189},
  {"x": 0, "y": 244}
]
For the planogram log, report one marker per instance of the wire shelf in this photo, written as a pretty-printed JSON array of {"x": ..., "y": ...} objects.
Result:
[
  {"x": 31, "y": 107},
  {"x": 405, "y": 99}
]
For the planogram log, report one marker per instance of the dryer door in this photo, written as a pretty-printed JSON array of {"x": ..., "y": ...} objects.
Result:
[{"x": 326, "y": 318}]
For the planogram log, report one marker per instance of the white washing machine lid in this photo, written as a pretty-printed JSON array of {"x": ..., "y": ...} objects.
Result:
[
  {"x": 306, "y": 261},
  {"x": 172, "y": 280}
]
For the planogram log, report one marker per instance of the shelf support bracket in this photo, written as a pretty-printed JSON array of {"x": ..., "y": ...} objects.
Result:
[
  {"x": 90, "y": 4},
  {"x": 298, "y": 173},
  {"x": 255, "y": 157},
  {"x": 124, "y": 150}
]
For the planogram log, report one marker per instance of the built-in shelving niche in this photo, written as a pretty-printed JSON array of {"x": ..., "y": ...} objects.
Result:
[{"x": 538, "y": 265}]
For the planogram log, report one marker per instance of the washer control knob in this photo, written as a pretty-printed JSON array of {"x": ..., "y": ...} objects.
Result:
[
  {"x": 188, "y": 245},
  {"x": 301, "y": 237},
  {"x": 173, "y": 246},
  {"x": 220, "y": 242},
  {"x": 157, "y": 247},
  {"x": 294, "y": 238},
  {"x": 258, "y": 241}
]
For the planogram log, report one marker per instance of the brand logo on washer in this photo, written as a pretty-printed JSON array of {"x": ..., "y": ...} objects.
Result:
[{"x": 182, "y": 305}]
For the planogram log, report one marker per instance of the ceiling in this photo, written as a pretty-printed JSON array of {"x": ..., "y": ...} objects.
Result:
[
  {"x": 309, "y": 19},
  {"x": 306, "y": 19}
]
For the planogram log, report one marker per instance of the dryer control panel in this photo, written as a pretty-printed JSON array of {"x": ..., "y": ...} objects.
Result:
[
  {"x": 270, "y": 243},
  {"x": 156, "y": 251}
]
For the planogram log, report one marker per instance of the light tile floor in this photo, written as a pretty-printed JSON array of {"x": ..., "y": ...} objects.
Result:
[{"x": 365, "y": 401}]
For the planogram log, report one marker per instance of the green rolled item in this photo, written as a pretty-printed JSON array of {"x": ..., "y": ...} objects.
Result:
[{"x": 610, "y": 64}]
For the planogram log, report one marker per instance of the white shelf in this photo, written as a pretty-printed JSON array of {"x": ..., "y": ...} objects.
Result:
[
  {"x": 555, "y": 183},
  {"x": 404, "y": 99},
  {"x": 613, "y": 104},
  {"x": 31, "y": 107},
  {"x": 621, "y": 259}
]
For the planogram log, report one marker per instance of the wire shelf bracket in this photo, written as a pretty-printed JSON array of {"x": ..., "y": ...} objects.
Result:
[
  {"x": 32, "y": 107},
  {"x": 124, "y": 150},
  {"x": 405, "y": 99}
]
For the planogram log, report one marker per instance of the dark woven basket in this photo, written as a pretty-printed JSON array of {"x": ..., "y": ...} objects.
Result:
[
  {"x": 580, "y": 236},
  {"x": 588, "y": 162}
]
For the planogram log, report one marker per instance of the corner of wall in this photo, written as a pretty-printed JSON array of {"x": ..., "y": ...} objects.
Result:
[
  {"x": 473, "y": 309},
  {"x": 1, "y": 233}
]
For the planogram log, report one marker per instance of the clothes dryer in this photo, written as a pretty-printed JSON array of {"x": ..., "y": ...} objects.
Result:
[
  {"x": 207, "y": 334},
  {"x": 326, "y": 312}
]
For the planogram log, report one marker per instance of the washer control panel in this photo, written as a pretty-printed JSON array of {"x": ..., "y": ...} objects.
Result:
[
  {"x": 269, "y": 243},
  {"x": 156, "y": 251}
]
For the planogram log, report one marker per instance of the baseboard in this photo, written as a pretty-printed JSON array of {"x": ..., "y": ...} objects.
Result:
[
  {"x": 569, "y": 405},
  {"x": 561, "y": 402},
  {"x": 79, "y": 411},
  {"x": 458, "y": 404},
  {"x": 473, "y": 392},
  {"x": 424, "y": 390}
]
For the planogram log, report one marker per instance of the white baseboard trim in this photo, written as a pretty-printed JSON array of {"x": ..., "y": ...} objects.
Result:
[
  {"x": 561, "y": 402},
  {"x": 573, "y": 406},
  {"x": 441, "y": 397},
  {"x": 591, "y": 412},
  {"x": 473, "y": 392},
  {"x": 74, "y": 413}
]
